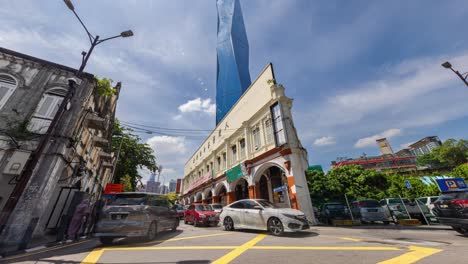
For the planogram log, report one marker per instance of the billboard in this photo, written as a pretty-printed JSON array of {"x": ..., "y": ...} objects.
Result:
[{"x": 452, "y": 185}]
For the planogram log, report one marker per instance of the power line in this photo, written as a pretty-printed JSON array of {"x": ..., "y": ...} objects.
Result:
[{"x": 173, "y": 129}]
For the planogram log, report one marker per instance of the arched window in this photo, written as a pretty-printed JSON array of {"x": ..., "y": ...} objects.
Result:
[
  {"x": 8, "y": 85},
  {"x": 46, "y": 110}
]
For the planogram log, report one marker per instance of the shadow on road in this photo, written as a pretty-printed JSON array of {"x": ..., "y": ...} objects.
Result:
[
  {"x": 86, "y": 247},
  {"x": 300, "y": 234}
]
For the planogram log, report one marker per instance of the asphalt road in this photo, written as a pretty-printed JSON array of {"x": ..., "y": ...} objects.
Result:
[{"x": 318, "y": 245}]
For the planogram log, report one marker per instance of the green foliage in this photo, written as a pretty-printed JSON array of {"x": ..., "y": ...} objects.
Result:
[
  {"x": 461, "y": 171},
  {"x": 358, "y": 183},
  {"x": 19, "y": 131},
  {"x": 172, "y": 197},
  {"x": 449, "y": 155},
  {"x": 133, "y": 155},
  {"x": 104, "y": 86},
  {"x": 127, "y": 182}
]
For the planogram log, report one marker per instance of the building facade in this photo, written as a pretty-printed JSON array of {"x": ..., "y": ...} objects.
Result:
[
  {"x": 425, "y": 145},
  {"x": 232, "y": 76},
  {"x": 254, "y": 152},
  {"x": 76, "y": 163}
]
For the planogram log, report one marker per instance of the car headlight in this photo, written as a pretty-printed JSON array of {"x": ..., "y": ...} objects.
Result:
[
  {"x": 290, "y": 216},
  {"x": 202, "y": 215}
]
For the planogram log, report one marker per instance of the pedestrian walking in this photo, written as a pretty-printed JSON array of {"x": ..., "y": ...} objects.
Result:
[{"x": 79, "y": 217}]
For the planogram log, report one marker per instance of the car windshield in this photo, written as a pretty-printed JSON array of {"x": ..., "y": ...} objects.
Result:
[
  {"x": 266, "y": 204},
  {"x": 129, "y": 199},
  {"x": 368, "y": 203},
  {"x": 216, "y": 206},
  {"x": 178, "y": 207},
  {"x": 203, "y": 208},
  {"x": 398, "y": 201},
  {"x": 453, "y": 196},
  {"x": 335, "y": 206}
]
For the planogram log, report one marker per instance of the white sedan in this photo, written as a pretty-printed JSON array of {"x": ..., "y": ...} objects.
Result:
[{"x": 263, "y": 215}]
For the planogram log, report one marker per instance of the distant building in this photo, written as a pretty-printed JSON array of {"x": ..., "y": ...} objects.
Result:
[
  {"x": 232, "y": 74},
  {"x": 381, "y": 163},
  {"x": 384, "y": 146},
  {"x": 424, "y": 146},
  {"x": 402, "y": 161},
  {"x": 152, "y": 187},
  {"x": 164, "y": 189},
  {"x": 172, "y": 186}
]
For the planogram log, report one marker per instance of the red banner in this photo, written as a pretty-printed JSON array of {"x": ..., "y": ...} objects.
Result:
[{"x": 113, "y": 188}]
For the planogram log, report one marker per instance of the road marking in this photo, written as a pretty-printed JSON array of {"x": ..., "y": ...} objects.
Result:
[
  {"x": 415, "y": 254},
  {"x": 239, "y": 250},
  {"x": 170, "y": 248},
  {"x": 324, "y": 248},
  {"x": 93, "y": 257},
  {"x": 45, "y": 250},
  {"x": 351, "y": 239}
]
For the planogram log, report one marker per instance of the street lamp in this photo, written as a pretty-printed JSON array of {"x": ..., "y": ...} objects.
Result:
[{"x": 463, "y": 76}]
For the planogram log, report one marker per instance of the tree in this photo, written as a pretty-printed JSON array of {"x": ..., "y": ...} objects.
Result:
[
  {"x": 133, "y": 155},
  {"x": 461, "y": 171},
  {"x": 172, "y": 197},
  {"x": 449, "y": 155}
]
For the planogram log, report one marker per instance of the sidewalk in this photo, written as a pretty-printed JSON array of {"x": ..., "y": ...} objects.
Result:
[
  {"x": 401, "y": 227},
  {"x": 39, "y": 243}
]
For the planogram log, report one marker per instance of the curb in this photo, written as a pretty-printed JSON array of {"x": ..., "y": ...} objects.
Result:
[{"x": 41, "y": 247}]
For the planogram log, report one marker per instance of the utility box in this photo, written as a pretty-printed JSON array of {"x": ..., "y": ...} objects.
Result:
[{"x": 17, "y": 162}]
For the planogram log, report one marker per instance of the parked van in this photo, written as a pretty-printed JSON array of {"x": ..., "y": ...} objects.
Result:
[{"x": 136, "y": 214}]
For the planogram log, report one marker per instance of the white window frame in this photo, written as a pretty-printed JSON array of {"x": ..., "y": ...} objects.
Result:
[
  {"x": 256, "y": 138},
  {"x": 39, "y": 123},
  {"x": 11, "y": 89},
  {"x": 241, "y": 149}
]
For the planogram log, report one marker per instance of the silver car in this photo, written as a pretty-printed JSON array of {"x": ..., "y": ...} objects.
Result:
[
  {"x": 369, "y": 211},
  {"x": 134, "y": 214},
  {"x": 218, "y": 208},
  {"x": 262, "y": 215}
]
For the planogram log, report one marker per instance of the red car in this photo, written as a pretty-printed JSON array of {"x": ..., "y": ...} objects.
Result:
[{"x": 199, "y": 214}]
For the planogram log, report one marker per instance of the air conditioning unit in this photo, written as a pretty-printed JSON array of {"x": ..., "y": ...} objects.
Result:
[{"x": 17, "y": 162}]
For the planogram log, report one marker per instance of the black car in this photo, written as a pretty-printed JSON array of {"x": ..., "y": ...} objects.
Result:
[
  {"x": 333, "y": 211},
  {"x": 452, "y": 209}
]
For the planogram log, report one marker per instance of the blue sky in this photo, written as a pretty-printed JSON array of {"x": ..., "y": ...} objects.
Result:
[{"x": 356, "y": 70}]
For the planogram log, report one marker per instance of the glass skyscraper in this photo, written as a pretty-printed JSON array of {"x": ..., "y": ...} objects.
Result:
[{"x": 232, "y": 76}]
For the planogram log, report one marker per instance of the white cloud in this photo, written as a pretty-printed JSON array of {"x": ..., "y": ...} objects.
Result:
[
  {"x": 171, "y": 153},
  {"x": 406, "y": 145},
  {"x": 369, "y": 141},
  {"x": 323, "y": 141},
  {"x": 198, "y": 105}
]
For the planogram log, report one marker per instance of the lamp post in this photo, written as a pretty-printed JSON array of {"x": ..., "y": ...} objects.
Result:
[
  {"x": 463, "y": 76},
  {"x": 46, "y": 139}
]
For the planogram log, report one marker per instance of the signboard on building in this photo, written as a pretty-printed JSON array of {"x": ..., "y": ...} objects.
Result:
[
  {"x": 113, "y": 188},
  {"x": 178, "y": 186},
  {"x": 452, "y": 185},
  {"x": 236, "y": 172},
  {"x": 279, "y": 189},
  {"x": 200, "y": 181}
]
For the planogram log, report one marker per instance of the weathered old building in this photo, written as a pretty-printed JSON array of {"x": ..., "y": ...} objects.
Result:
[{"x": 75, "y": 164}]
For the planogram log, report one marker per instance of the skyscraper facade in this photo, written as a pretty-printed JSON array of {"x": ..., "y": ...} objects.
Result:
[{"x": 232, "y": 76}]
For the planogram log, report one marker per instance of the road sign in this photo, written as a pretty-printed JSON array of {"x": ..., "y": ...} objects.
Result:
[
  {"x": 113, "y": 188},
  {"x": 452, "y": 185},
  {"x": 408, "y": 184},
  {"x": 279, "y": 189}
]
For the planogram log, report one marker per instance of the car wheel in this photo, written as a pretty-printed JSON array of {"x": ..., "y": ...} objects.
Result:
[
  {"x": 106, "y": 240},
  {"x": 152, "y": 232},
  {"x": 185, "y": 221},
  {"x": 461, "y": 230},
  {"x": 195, "y": 223},
  {"x": 275, "y": 227},
  {"x": 228, "y": 224},
  {"x": 176, "y": 224}
]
